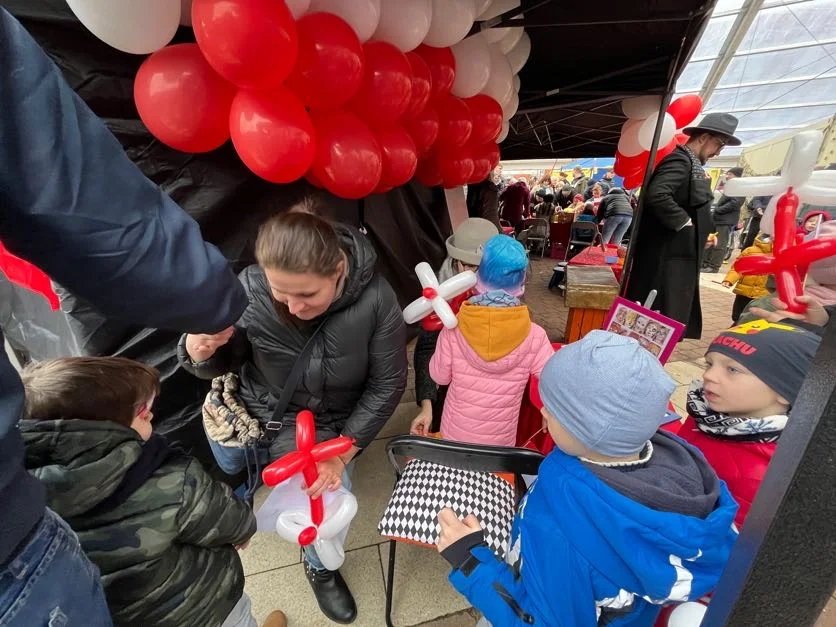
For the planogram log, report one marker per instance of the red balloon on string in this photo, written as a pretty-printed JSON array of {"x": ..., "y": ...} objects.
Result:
[
  {"x": 681, "y": 138},
  {"x": 310, "y": 177},
  {"x": 347, "y": 158},
  {"x": 487, "y": 118},
  {"x": 634, "y": 180},
  {"x": 481, "y": 164},
  {"x": 442, "y": 66},
  {"x": 422, "y": 82},
  {"x": 400, "y": 158},
  {"x": 455, "y": 122},
  {"x": 455, "y": 165},
  {"x": 272, "y": 133},
  {"x": 427, "y": 172},
  {"x": 330, "y": 66},
  {"x": 387, "y": 85},
  {"x": 627, "y": 166},
  {"x": 661, "y": 153},
  {"x": 685, "y": 109},
  {"x": 423, "y": 129},
  {"x": 182, "y": 100},
  {"x": 252, "y": 43},
  {"x": 492, "y": 152}
]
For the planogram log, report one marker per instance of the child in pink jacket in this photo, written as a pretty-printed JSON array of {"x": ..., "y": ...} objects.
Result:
[{"x": 488, "y": 359}]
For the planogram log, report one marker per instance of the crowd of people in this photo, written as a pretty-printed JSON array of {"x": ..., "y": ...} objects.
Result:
[{"x": 104, "y": 523}]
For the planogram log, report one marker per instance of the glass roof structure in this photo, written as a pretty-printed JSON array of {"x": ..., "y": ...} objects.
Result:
[{"x": 771, "y": 63}]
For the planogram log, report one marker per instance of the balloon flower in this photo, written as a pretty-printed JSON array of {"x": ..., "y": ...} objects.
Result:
[
  {"x": 434, "y": 296},
  {"x": 313, "y": 527}
]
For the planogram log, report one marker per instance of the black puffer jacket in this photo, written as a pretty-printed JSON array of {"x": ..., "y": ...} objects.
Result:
[
  {"x": 615, "y": 203},
  {"x": 357, "y": 370}
]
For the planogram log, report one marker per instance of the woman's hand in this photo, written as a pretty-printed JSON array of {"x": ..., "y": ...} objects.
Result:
[
  {"x": 330, "y": 477},
  {"x": 815, "y": 314},
  {"x": 201, "y": 347},
  {"x": 422, "y": 423},
  {"x": 453, "y": 529}
]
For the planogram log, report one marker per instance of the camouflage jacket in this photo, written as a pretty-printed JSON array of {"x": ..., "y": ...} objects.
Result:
[{"x": 166, "y": 553}]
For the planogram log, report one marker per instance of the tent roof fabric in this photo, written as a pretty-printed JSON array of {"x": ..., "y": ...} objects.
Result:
[{"x": 585, "y": 58}]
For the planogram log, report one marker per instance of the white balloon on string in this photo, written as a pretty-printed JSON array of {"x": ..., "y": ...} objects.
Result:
[
  {"x": 451, "y": 21},
  {"x": 404, "y": 23},
  {"x": 509, "y": 110},
  {"x": 128, "y": 25},
  {"x": 628, "y": 143},
  {"x": 500, "y": 85},
  {"x": 511, "y": 38},
  {"x": 641, "y": 107},
  {"x": 434, "y": 296},
  {"x": 506, "y": 127},
  {"x": 498, "y": 7},
  {"x": 481, "y": 6},
  {"x": 647, "y": 130},
  {"x": 362, "y": 15},
  {"x": 516, "y": 81},
  {"x": 518, "y": 56},
  {"x": 473, "y": 66}
]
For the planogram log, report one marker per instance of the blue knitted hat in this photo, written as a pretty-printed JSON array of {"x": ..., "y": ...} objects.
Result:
[
  {"x": 503, "y": 265},
  {"x": 608, "y": 392}
]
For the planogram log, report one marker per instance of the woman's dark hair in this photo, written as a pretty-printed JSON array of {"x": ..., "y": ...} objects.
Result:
[
  {"x": 88, "y": 388},
  {"x": 549, "y": 197}
]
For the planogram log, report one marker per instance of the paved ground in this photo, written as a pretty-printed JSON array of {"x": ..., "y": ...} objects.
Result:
[{"x": 275, "y": 577}]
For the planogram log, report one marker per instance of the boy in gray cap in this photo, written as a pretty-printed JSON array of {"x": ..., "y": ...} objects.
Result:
[{"x": 622, "y": 519}]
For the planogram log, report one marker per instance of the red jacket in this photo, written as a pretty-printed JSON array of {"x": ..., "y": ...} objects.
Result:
[{"x": 742, "y": 465}]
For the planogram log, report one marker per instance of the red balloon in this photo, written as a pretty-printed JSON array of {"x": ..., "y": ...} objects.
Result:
[
  {"x": 347, "y": 158},
  {"x": 400, "y": 158},
  {"x": 272, "y": 133},
  {"x": 492, "y": 151},
  {"x": 310, "y": 177},
  {"x": 387, "y": 85},
  {"x": 252, "y": 43},
  {"x": 681, "y": 138},
  {"x": 423, "y": 129},
  {"x": 481, "y": 164},
  {"x": 427, "y": 172},
  {"x": 455, "y": 166},
  {"x": 330, "y": 66},
  {"x": 442, "y": 66},
  {"x": 685, "y": 109},
  {"x": 487, "y": 118},
  {"x": 422, "y": 83},
  {"x": 455, "y": 122},
  {"x": 634, "y": 180},
  {"x": 181, "y": 99},
  {"x": 661, "y": 153}
]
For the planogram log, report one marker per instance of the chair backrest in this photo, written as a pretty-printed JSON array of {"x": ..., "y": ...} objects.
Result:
[
  {"x": 539, "y": 229},
  {"x": 584, "y": 228}
]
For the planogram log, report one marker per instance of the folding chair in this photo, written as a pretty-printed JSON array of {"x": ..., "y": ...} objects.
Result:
[
  {"x": 582, "y": 228},
  {"x": 490, "y": 459},
  {"x": 539, "y": 232}
]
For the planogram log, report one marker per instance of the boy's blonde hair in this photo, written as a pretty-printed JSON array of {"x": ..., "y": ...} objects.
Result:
[{"x": 88, "y": 388}]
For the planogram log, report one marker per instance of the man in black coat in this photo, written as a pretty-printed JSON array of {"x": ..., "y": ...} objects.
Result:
[
  {"x": 674, "y": 224},
  {"x": 726, "y": 215}
]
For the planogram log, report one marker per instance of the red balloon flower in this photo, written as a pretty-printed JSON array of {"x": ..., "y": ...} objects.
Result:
[
  {"x": 347, "y": 158},
  {"x": 272, "y": 133},
  {"x": 487, "y": 118},
  {"x": 400, "y": 158},
  {"x": 422, "y": 82},
  {"x": 423, "y": 129},
  {"x": 442, "y": 66},
  {"x": 330, "y": 66},
  {"x": 182, "y": 100},
  {"x": 304, "y": 460},
  {"x": 455, "y": 122},
  {"x": 251, "y": 43},
  {"x": 387, "y": 85}
]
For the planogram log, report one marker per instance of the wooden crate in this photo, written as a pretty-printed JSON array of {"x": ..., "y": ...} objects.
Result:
[
  {"x": 581, "y": 321},
  {"x": 590, "y": 292}
]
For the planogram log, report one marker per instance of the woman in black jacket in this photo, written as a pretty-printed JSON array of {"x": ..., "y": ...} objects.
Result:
[{"x": 312, "y": 277}]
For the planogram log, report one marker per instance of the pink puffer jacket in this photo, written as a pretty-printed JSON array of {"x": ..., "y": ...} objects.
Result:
[{"x": 487, "y": 361}]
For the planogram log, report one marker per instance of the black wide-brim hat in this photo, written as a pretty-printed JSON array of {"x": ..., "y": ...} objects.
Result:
[{"x": 718, "y": 123}]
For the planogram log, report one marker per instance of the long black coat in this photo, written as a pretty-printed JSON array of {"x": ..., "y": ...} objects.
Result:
[
  {"x": 727, "y": 211},
  {"x": 668, "y": 256},
  {"x": 357, "y": 370}
]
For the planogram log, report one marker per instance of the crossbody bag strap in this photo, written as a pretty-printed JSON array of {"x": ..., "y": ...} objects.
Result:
[{"x": 272, "y": 428}]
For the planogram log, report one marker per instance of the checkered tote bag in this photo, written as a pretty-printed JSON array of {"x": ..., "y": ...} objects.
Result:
[{"x": 425, "y": 488}]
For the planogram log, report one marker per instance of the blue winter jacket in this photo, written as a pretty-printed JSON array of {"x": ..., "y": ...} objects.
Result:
[
  {"x": 73, "y": 203},
  {"x": 580, "y": 551}
]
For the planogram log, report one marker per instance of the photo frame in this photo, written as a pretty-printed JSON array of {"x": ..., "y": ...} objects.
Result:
[{"x": 655, "y": 332}]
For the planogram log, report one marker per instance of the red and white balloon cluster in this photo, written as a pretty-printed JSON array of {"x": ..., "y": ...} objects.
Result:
[
  {"x": 642, "y": 113},
  {"x": 354, "y": 95}
]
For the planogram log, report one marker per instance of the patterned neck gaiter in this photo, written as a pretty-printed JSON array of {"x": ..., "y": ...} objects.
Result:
[{"x": 726, "y": 427}]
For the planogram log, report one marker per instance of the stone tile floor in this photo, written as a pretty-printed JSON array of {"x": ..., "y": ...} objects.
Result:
[{"x": 274, "y": 574}]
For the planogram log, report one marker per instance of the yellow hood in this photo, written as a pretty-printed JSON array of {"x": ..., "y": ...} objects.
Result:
[{"x": 493, "y": 332}]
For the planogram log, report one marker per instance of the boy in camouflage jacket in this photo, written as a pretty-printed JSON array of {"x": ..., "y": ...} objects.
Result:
[{"x": 162, "y": 532}]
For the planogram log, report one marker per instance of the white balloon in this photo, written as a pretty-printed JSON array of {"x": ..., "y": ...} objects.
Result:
[
  {"x": 519, "y": 54},
  {"x": 516, "y": 80},
  {"x": 362, "y": 15},
  {"x": 754, "y": 186},
  {"x": 688, "y": 614},
  {"x": 298, "y": 8},
  {"x": 404, "y": 23},
  {"x": 506, "y": 126},
  {"x": 493, "y": 35},
  {"x": 481, "y": 6},
  {"x": 648, "y": 129},
  {"x": 641, "y": 107},
  {"x": 500, "y": 85},
  {"x": 801, "y": 158},
  {"x": 473, "y": 66},
  {"x": 511, "y": 38},
  {"x": 497, "y": 7},
  {"x": 628, "y": 143},
  {"x": 451, "y": 21},
  {"x": 128, "y": 25},
  {"x": 509, "y": 111}
]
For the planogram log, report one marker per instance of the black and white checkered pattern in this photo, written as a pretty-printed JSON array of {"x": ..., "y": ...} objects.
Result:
[{"x": 426, "y": 488}]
